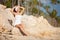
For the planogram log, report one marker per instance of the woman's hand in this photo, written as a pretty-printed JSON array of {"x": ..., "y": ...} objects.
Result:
[{"x": 21, "y": 10}]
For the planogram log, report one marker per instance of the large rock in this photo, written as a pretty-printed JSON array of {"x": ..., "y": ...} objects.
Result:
[
  {"x": 39, "y": 27},
  {"x": 9, "y": 14},
  {"x": 2, "y": 6},
  {"x": 33, "y": 26},
  {"x": 6, "y": 18},
  {"x": 4, "y": 23},
  {"x": 16, "y": 31},
  {"x": 15, "y": 37}
]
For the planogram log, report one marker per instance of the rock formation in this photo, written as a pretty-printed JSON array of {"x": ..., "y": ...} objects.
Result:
[{"x": 37, "y": 28}]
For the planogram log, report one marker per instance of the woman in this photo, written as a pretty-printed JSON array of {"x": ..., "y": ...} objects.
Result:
[{"x": 18, "y": 12}]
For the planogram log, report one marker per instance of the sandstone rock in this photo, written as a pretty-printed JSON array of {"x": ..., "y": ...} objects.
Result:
[
  {"x": 33, "y": 26},
  {"x": 2, "y": 6},
  {"x": 39, "y": 27},
  {"x": 4, "y": 23},
  {"x": 9, "y": 14},
  {"x": 15, "y": 37},
  {"x": 16, "y": 31},
  {"x": 6, "y": 18},
  {"x": 2, "y": 38}
]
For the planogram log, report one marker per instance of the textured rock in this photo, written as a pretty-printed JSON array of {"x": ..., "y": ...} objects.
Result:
[
  {"x": 36, "y": 28},
  {"x": 8, "y": 13},
  {"x": 4, "y": 23},
  {"x": 15, "y": 37},
  {"x": 6, "y": 18},
  {"x": 16, "y": 31},
  {"x": 39, "y": 27},
  {"x": 2, "y": 6}
]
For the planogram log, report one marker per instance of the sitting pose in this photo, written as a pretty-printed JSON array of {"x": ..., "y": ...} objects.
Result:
[{"x": 18, "y": 12}]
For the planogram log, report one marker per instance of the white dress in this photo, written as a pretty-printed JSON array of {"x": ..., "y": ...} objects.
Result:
[{"x": 17, "y": 20}]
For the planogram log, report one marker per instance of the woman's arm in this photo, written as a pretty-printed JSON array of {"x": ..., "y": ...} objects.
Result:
[{"x": 22, "y": 8}]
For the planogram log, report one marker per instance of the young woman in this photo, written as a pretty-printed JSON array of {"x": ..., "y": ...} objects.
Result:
[{"x": 18, "y": 12}]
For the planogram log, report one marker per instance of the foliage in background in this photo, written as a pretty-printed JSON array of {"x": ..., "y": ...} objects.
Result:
[
  {"x": 58, "y": 19},
  {"x": 8, "y": 3},
  {"x": 55, "y": 1},
  {"x": 33, "y": 9}
]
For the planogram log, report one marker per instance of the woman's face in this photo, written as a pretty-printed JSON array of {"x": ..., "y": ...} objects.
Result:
[{"x": 16, "y": 9}]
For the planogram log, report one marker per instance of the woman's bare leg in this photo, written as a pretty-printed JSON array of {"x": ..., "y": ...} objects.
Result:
[{"x": 21, "y": 28}]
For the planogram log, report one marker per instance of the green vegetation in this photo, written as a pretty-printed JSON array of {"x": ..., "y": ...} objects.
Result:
[
  {"x": 53, "y": 14},
  {"x": 58, "y": 19},
  {"x": 55, "y": 1},
  {"x": 8, "y": 3}
]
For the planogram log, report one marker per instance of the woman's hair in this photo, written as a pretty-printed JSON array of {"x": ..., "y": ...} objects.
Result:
[
  {"x": 18, "y": 9},
  {"x": 14, "y": 10}
]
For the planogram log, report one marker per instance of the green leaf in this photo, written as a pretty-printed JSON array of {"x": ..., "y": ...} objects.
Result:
[
  {"x": 53, "y": 14},
  {"x": 54, "y": 1}
]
